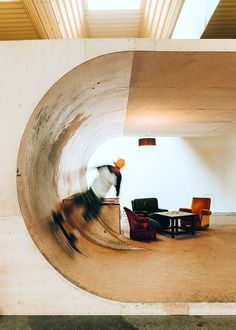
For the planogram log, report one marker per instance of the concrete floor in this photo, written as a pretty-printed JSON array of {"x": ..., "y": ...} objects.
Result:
[
  {"x": 29, "y": 285},
  {"x": 117, "y": 322},
  {"x": 186, "y": 269}
]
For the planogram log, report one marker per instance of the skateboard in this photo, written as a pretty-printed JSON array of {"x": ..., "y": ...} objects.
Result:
[{"x": 61, "y": 235}]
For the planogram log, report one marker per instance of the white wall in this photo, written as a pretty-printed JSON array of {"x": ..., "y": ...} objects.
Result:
[{"x": 174, "y": 171}]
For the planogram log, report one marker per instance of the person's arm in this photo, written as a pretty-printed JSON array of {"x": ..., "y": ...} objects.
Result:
[
  {"x": 117, "y": 173},
  {"x": 118, "y": 182}
]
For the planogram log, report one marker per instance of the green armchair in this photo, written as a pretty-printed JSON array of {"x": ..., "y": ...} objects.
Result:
[
  {"x": 146, "y": 205},
  {"x": 149, "y": 207}
]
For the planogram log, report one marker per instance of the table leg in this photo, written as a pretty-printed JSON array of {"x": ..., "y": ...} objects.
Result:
[
  {"x": 176, "y": 224},
  {"x": 172, "y": 227},
  {"x": 193, "y": 227}
]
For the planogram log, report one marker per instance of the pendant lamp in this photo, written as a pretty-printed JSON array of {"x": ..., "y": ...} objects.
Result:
[{"x": 142, "y": 142}]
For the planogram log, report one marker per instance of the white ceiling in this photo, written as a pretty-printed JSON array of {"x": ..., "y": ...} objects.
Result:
[
  {"x": 67, "y": 19},
  {"x": 182, "y": 94}
]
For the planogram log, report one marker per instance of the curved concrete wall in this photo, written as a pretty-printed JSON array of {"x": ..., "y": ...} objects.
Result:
[
  {"x": 100, "y": 96},
  {"x": 57, "y": 129},
  {"x": 30, "y": 68},
  {"x": 82, "y": 108}
]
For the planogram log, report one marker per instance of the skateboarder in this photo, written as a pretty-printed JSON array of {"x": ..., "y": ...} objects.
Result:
[{"x": 91, "y": 201}]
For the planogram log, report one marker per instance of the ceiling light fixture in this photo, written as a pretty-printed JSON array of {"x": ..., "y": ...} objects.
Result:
[{"x": 142, "y": 142}]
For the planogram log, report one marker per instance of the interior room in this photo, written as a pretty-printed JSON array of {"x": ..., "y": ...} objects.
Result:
[{"x": 197, "y": 166}]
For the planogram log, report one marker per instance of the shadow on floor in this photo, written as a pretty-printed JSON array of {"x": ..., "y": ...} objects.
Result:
[{"x": 117, "y": 322}]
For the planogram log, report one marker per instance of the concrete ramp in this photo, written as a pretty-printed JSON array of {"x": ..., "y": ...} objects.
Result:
[
  {"x": 105, "y": 230},
  {"x": 58, "y": 141},
  {"x": 84, "y": 108}
]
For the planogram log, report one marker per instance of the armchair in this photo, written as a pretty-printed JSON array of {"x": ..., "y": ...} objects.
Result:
[
  {"x": 149, "y": 207},
  {"x": 140, "y": 228},
  {"x": 200, "y": 206}
]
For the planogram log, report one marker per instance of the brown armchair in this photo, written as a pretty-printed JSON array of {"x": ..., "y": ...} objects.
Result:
[
  {"x": 200, "y": 206},
  {"x": 140, "y": 227}
]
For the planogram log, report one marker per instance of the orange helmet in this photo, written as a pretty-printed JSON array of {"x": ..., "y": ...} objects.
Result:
[{"x": 120, "y": 163}]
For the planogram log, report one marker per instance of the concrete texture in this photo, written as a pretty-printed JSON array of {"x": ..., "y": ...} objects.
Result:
[
  {"x": 181, "y": 94},
  {"x": 117, "y": 322},
  {"x": 37, "y": 65},
  {"x": 186, "y": 269},
  {"x": 44, "y": 150},
  {"x": 177, "y": 274},
  {"x": 93, "y": 98}
]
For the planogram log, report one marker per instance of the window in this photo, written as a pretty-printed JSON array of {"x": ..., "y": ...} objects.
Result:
[{"x": 113, "y": 4}]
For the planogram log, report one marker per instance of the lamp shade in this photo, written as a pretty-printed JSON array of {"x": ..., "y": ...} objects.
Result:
[{"x": 146, "y": 142}]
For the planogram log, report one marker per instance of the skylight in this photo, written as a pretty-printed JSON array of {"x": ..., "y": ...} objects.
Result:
[
  {"x": 113, "y": 4},
  {"x": 194, "y": 18}
]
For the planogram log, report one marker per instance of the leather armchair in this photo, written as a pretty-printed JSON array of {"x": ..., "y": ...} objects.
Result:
[
  {"x": 146, "y": 205},
  {"x": 149, "y": 207},
  {"x": 140, "y": 228},
  {"x": 200, "y": 206}
]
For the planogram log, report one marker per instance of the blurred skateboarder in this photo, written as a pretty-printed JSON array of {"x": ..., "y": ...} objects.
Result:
[{"x": 90, "y": 200}]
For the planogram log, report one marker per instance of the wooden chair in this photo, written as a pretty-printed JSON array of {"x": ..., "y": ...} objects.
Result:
[{"x": 200, "y": 206}]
